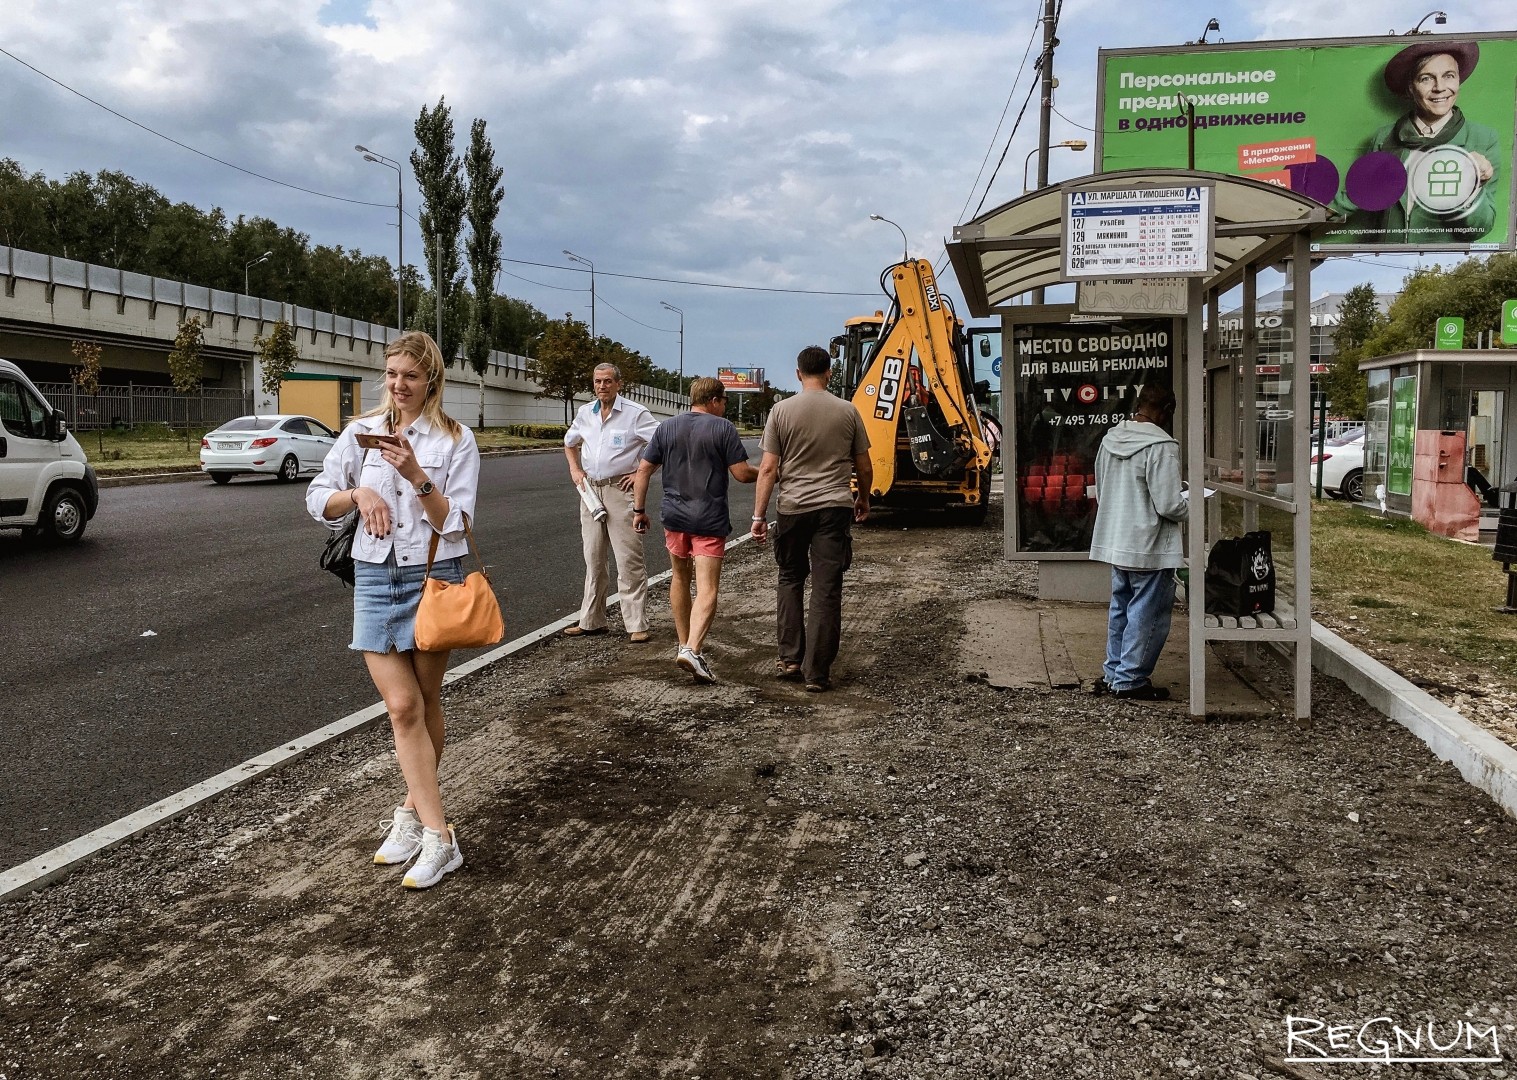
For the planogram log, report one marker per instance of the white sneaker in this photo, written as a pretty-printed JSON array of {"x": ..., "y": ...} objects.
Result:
[
  {"x": 439, "y": 856},
  {"x": 696, "y": 665},
  {"x": 403, "y": 841}
]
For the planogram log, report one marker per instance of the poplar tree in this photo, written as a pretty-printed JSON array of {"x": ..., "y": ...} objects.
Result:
[
  {"x": 439, "y": 175},
  {"x": 483, "y": 248}
]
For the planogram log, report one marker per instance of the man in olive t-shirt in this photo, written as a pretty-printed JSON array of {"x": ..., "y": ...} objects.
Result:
[{"x": 813, "y": 443}]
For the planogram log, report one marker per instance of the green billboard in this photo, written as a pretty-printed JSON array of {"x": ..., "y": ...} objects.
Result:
[{"x": 1411, "y": 141}]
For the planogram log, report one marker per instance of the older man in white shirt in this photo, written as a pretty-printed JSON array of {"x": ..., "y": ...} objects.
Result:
[{"x": 604, "y": 445}]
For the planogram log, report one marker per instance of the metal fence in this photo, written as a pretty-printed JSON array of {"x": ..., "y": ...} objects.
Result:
[
  {"x": 130, "y": 406},
  {"x": 1269, "y": 435}
]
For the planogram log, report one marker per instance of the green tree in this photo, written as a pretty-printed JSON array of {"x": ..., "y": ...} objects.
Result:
[
  {"x": 763, "y": 401},
  {"x": 23, "y": 202},
  {"x": 86, "y": 377},
  {"x": 277, "y": 356},
  {"x": 483, "y": 248},
  {"x": 635, "y": 368},
  {"x": 1359, "y": 318},
  {"x": 439, "y": 175},
  {"x": 565, "y": 359},
  {"x": 186, "y": 363},
  {"x": 1473, "y": 290},
  {"x": 515, "y": 325}
]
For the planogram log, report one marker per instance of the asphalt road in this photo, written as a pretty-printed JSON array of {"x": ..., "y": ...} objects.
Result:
[{"x": 191, "y": 629}]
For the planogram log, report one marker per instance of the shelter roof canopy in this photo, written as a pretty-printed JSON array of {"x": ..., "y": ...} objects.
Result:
[{"x": 1017, "y": 247}]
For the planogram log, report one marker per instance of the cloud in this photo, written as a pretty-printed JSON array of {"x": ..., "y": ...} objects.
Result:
[{"x": 742, "y": 142}]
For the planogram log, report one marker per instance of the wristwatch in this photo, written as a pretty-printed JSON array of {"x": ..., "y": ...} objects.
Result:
[
  {"x": 426, "y": 488},
  {"x": 638, "y": 510}
]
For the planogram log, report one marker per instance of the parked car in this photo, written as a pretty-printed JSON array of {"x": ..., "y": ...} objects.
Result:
[
  {"x": 1341, "y": 465},
  {"x": 46, "y": 485},
  {"x": 284, "y": 446}
]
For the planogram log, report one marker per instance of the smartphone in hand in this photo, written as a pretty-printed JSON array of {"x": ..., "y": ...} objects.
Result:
[{"x": 377, "y": 442}]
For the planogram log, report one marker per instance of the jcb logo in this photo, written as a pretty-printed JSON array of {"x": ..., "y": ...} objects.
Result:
[
  {"x": 890, "y": 388},
  {"x": 932, "y": 296}
]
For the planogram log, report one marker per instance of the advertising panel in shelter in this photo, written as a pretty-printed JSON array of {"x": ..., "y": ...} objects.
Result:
[
  {"x": 1410, "y": 139},
  {"x": 1073, "y": 383}
]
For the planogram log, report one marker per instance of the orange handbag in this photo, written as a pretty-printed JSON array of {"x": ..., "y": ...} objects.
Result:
[{"x": 465, "y": 616}]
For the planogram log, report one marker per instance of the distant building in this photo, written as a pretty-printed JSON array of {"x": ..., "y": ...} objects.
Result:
[{"x": 1275, "y": 352}]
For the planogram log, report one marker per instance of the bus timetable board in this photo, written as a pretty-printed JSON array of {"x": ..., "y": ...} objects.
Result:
[
  {"x": 1073, "y": 382},
  {"x": 1138, "y": 232}
]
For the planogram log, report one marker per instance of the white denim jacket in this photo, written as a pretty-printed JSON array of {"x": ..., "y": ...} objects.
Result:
[{"x": 452, "y": 465}]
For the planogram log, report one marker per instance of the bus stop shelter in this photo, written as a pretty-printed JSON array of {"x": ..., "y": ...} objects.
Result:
[{"x": 1008, "y": 253}]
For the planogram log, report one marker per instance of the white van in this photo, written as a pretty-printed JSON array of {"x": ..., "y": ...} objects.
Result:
[{"x": 46, "y": 485}]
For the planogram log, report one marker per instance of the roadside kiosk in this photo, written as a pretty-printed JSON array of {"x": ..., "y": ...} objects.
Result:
[
  {"x": 1448, "y": 408},
  {"x": 1152, "y": 252}
]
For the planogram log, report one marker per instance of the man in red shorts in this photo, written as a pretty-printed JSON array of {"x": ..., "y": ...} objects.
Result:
[{"x": 697, "y": 450}]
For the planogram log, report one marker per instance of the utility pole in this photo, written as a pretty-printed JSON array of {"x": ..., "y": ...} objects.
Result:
[{"x": 1045, "y": 105}]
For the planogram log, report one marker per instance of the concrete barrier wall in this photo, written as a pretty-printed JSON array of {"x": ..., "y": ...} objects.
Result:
[{"x": 47, "y": 302}]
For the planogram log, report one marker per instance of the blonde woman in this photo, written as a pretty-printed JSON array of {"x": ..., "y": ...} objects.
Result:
[{"x": 417, "y": 480}]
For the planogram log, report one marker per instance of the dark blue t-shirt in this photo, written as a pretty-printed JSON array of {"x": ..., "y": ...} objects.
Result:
[{"x": 696, "y": 449}]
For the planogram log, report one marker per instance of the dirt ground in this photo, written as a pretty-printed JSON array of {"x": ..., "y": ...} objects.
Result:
[
  {"x": 915, "y": 875},
  {"x": 1489, "y": 698}
]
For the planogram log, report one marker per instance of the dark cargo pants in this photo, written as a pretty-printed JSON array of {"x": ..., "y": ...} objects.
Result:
[{"x": 818, "y": 544}]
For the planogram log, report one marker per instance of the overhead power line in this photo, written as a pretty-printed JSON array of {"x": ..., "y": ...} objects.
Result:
[
  {"x": 187, "y": 146},
  {"x": 1010, "y": 96},
  {"x": 698, "y": 284},
  {"x": 639, "y": 322}
]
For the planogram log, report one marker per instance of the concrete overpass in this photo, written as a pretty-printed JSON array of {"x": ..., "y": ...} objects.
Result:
[{"x": 47, "y": 303}]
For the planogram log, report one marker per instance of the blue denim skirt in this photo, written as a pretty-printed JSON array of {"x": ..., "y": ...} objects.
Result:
[{"x": 385, "y": 598}]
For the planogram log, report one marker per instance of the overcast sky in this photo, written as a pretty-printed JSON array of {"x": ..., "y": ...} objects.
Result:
[{"x": 732, "y": 142}]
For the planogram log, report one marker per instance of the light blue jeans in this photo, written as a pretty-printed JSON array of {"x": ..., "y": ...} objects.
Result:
[{"x": 1137, "y": 625}]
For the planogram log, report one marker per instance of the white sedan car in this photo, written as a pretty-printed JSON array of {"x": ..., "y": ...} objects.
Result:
[
  {"x": 283, "y": 446},
  {"x": 1341, "y": 465}
]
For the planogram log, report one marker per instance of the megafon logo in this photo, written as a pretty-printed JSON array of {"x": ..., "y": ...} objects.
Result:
[
  {"x": 890, "y": 388},
  {"x": 931, "y": 291},
  {"x": 1383, "y": 1040}
]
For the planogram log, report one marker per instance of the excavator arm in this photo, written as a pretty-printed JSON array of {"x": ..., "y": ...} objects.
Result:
[{"x": 917, "y": 359}]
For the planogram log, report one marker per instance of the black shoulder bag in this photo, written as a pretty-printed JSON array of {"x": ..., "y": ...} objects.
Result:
[{"x": 337, "y": 556}]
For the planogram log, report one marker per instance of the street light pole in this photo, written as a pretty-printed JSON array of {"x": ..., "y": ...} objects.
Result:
[
  {"x": 246, "y": 289},
  {"x": 581, "y": 259},
  {"x": 905, "y": 247},
  {"x": 400, "y": 234},
  {"x": 681, "y": 313},
  {"x": 1073, "y": 144}
]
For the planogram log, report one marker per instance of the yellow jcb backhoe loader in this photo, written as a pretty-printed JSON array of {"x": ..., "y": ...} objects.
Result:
[{"x": 910, "y": 376}]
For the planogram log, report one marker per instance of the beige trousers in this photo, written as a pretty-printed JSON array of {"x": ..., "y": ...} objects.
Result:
[{"x": 602, "y": 539}]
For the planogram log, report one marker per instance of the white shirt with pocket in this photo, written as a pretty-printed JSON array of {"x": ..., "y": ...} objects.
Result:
[
  {"x": 611, "y": 447},
  {"x": 451, "y": 464}
]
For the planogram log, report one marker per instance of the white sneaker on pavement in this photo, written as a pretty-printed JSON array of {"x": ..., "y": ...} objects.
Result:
[
  {"x": 696, "y": 665},
  {"x": 440, "y": 855},
  {"x": 403, "y": 841}
]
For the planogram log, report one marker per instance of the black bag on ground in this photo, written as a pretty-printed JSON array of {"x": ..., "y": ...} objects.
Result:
[
  {"x": 1240, "y": 576},
  {"x": 337, "y": 556}
]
